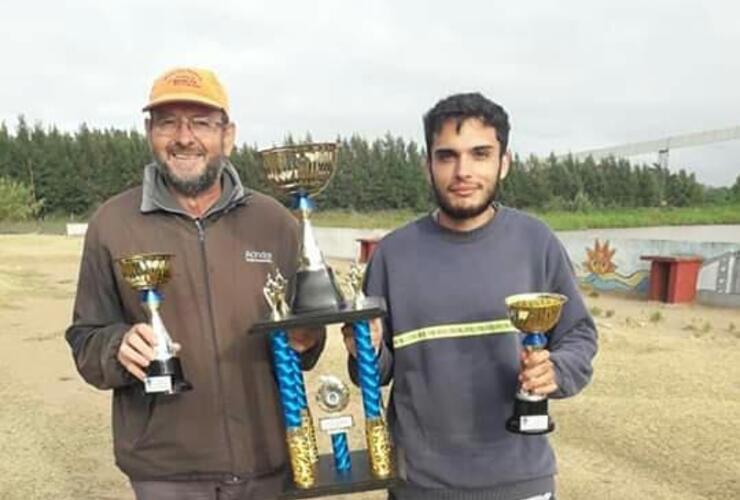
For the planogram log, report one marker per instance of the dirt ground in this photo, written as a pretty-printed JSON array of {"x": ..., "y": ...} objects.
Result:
[{"x": 659, "y": 421}]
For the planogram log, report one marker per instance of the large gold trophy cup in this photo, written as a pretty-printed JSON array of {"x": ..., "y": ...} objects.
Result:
[
  {"x": 534, "y": 314},
  {"x": 299, "y": 172},
  {"x": 146, "y": 273}
]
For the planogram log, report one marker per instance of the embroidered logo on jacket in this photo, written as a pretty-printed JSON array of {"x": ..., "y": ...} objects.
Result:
[{"x": 258, "y": 256}]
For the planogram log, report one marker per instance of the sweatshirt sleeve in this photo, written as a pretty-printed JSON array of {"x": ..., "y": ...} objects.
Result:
[
  {"x": 573, "y": 341},
  {"x": 98, "y": 325},
  {"x": 376, "y": 285}
]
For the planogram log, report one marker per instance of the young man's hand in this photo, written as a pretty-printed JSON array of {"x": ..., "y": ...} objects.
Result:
[
  {"x": 376, "y": 336},
  {"x": 538, "y": 372}
]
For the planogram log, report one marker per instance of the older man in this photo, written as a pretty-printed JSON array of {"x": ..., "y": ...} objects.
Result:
[{"x": 223, "y": 438}]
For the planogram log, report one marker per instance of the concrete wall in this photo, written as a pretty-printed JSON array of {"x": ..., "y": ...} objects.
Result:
[
  {"x": 618, "y": 264},
  {"x": 718, "y": 282},
  {"x": 614, "y": 259},
  {"x": 76, "y": 229}
]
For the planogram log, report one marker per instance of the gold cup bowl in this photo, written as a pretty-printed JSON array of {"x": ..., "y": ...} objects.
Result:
[
  {"x": 301, "y": 167},
  {"x": 146, "y": 271},
  {"x": 535, "y": 312}
]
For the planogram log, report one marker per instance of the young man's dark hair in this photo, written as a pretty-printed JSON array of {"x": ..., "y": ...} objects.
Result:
[{"x": 461, "y": 107}]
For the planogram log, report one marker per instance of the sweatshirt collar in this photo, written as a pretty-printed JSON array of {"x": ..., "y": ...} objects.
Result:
[{"x": 156, "y": 196}]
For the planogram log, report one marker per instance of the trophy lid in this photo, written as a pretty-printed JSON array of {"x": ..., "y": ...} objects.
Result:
[
  {"x": 535, "y": 312},
  {"x": 146, "y": 271},
  {"x": 299, "y": 168}
]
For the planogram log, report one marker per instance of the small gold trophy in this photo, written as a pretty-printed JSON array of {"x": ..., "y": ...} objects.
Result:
[
  {"x": 534, "y": 314},
  {"x": 146, "y": 273}
]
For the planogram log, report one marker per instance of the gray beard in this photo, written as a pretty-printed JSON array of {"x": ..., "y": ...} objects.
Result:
[{"x": 193, "y": 187}]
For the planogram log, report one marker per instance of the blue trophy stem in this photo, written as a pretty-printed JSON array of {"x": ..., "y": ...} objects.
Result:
[
  {"x": 284, "y": 362},
  {"x": 534, "y": 341},
  {"x": 367, "y": 369},
  {"x": 342, "y": 460},
  {"x": 300, "y": 385}
]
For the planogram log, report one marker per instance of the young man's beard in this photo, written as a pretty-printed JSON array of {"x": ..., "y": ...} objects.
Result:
[
  {"x": 197, "y": 185},
  {"x": 462, "y": 213}
]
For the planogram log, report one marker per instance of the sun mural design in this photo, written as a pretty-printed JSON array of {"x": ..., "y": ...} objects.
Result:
[
  {"x": 602, "y": 273},
  {"x": 599, "y": 258}
]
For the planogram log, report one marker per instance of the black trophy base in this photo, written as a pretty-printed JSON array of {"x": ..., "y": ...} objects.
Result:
[
  {"x": 530, "y": 417},
  {"x": 371, "y": 307},
  {"x": 172, "y": 369},
  {"x": 330, "y": 482},
  {"x": 316, "y": 290}
]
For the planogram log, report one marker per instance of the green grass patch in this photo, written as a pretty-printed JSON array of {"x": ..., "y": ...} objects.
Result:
[
  {"x": 558, "y": 221},
  {"x": 382, "y": 219},
  {"x": 656, "y": 316},
  {"x": 49, "y": 225},
  {"x": 642, "y": 217}
]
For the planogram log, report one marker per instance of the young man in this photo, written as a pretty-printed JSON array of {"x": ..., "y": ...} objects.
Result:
[
  {"x": 445, "y": 278},
  {"x": 224, "y": 437}
]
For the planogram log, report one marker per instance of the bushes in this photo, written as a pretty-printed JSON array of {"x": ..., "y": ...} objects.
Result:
[{"x": 17, "y": 202}]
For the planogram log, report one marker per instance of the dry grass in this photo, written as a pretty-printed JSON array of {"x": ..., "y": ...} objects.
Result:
[{"x": 657, "y": 422}]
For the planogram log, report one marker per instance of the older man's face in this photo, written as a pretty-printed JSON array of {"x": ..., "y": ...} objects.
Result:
[{"x": 190, "y": 142}]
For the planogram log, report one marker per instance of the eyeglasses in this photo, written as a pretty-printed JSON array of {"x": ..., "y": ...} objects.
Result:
[{"x": 198, "y": 125}]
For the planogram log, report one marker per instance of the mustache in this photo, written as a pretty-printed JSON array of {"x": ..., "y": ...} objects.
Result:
[
  {"x": 175, "y": 150},
  {"x": 464, "y": 185}
]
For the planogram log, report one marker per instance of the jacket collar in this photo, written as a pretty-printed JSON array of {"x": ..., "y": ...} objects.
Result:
[{"x": 156, "y": 195}]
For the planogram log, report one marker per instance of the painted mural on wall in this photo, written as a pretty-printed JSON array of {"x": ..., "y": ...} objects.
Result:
[
  {"x": 600, "y": 271},
  {"x": 719, "y": 279}
]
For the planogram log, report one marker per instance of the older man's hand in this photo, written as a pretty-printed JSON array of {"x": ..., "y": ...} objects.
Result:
[{"x": 303, "y": 339}]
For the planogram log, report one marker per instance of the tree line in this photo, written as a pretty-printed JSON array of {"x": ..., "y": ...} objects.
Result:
[{"x": 70, "y": 173}]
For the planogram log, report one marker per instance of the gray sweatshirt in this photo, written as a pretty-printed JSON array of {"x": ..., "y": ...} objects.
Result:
[{"x": 454, "y": 358}]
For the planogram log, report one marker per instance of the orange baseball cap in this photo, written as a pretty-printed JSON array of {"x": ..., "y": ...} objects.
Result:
[{"x": 188, "y": 85}]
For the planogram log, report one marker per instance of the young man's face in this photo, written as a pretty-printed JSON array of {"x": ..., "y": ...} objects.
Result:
[
  {"x": 190, "y": 142},
  {"x": 465, "y": 167}
]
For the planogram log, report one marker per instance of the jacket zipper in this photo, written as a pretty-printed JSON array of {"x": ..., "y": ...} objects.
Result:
[{"x": 227, "y": 434}]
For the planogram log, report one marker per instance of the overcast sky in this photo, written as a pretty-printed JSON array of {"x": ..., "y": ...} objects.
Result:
[{"x": 573, "y": 75}]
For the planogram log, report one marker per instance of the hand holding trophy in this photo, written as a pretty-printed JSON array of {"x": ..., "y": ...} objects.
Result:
[
  {"x": 534, "y": 314},
  {"x": 299, "y": 172},
  {"x": 146, "y": 273}
]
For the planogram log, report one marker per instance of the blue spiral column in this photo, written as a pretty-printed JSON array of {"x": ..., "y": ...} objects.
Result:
[
  {"x": 299, "y": 446},
  {"x": 376, "y": 431},
  {"x": 342, "y": 460},
  {"x": 284, "y": 371},
  {"x": 367, "y": 370}
]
